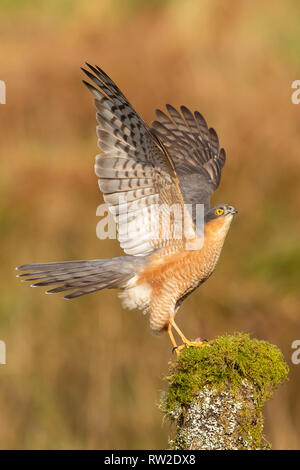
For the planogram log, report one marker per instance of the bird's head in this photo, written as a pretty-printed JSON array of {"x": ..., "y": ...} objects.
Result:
[
  {"x": 219, "y": 218},
  {"x": 222, "y": 210}
]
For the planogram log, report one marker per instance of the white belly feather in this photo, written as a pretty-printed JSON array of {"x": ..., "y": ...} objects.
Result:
[{"x": 136, "y": 296}]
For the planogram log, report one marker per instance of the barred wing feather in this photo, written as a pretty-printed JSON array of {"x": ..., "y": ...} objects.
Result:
[{"x": 136, "y": 174}]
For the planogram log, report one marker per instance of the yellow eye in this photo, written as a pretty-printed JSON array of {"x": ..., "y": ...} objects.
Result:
[{"x": 219, "y": 211}]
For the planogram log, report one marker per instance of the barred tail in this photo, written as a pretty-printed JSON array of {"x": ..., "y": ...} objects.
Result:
[{"x": 84, "y": 276}]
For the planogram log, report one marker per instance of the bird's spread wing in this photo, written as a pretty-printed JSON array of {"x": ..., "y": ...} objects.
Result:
[
  {"x": 195, "y": 151},
  {"x": 136, "y": 174}
]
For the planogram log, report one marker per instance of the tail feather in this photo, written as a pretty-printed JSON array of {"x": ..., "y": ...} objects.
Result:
[{"x": 83, "y": 277}]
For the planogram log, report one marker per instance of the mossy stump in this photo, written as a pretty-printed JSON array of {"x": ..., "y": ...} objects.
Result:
[{"x": 217, "y": 392}]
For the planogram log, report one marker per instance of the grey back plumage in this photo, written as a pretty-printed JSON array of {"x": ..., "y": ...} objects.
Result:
[{"x": 195, "y": 151}]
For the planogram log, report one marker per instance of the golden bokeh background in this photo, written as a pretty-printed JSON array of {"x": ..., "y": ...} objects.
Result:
[{"x": 86, "y": 374}]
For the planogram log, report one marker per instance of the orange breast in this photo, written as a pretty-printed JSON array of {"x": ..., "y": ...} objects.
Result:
[
  {"x": 172, "y": 276},
  {"x": 186, "y": 264}
]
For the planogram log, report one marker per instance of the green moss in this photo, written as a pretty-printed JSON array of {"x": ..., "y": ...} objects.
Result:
[
  {"x": 227, "y": 361},
  {"x": 250, "y": 428},
  {"x": 217, "y": 393}
]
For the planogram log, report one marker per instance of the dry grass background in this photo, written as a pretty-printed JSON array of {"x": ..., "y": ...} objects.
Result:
[{"x": 86, "y": 374}]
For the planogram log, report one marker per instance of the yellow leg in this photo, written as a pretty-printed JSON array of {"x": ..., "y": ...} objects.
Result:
[
  {"x": 176, "y": 328},
  {"x": 172, "y": 337},
  {"x": 186, "y": 342}
]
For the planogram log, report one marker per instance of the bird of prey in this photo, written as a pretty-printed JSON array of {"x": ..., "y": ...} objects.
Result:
[{"x": 175, "y": 161}]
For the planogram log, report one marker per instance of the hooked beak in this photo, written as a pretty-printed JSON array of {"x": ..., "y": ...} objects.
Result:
[{"x": 232, "y": 210}]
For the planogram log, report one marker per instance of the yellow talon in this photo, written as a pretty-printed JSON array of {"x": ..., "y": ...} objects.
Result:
[{"x": 187, "y": 344}]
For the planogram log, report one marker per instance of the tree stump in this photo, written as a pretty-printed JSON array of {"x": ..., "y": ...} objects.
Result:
[{"x": 217, "y": 392}]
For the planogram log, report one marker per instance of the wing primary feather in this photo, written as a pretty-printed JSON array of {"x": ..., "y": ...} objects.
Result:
[
  {"x": 148, "y": 178},
  {"x": 194, "y": 149}
]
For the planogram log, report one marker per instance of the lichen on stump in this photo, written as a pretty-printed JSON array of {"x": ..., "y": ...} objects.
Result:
[{"x": 217, "y": 392}]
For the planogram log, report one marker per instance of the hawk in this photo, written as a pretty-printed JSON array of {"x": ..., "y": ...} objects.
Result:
[{"x": 176, "y": 161}]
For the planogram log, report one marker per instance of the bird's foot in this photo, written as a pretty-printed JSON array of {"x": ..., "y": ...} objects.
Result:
[{"x": 198, "y": 343}]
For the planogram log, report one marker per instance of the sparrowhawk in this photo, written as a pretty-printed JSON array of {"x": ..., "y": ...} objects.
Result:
[{"x": 175, "y": 161}]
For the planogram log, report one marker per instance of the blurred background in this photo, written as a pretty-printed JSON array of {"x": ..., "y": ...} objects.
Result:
[{"x": 86, "y": 374}]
